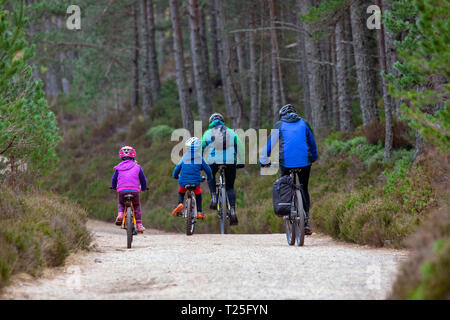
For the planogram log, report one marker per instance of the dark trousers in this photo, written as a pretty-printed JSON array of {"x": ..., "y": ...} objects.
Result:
[
  {"x": 198, "y": 200},
  {"x": 303, "y": 178},
  {"x": 230, "y": 176}
]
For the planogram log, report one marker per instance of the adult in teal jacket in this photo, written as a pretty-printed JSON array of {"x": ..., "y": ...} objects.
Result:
[
  {"x": 223, "y": 147},
  {"x": 297, "y": 149}
]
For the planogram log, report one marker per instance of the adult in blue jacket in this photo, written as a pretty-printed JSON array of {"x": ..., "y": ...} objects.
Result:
[{"x": 297, "y": 150}]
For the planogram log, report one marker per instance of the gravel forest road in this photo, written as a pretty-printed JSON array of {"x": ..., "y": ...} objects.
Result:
[{"x": 214, "y": 266}]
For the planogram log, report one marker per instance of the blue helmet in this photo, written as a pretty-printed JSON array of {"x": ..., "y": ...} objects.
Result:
[{"x": 193, "y": 144}]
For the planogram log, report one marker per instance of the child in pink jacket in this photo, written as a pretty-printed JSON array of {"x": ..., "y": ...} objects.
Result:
[{"x": 129, "y": 178}]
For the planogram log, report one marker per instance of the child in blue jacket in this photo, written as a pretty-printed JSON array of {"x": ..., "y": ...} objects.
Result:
[{"x": 188, "y": 171}]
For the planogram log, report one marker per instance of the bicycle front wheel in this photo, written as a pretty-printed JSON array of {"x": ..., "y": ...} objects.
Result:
[
  {"x": 189, "y": 217},
  {"x": 130, "y": 226},
  {"x": 299, "y": 220}
]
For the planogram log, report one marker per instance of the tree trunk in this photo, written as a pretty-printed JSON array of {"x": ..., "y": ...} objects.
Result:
[
  {"x": 269, "y": 113},
  {"x": 364, "y": 61},
  {"x": 325, "y": 69},
  {"x": 391, "y": 58},
  {"x": 231, "y": 99},
  {"x": 303, "y": 65},
  {"x": 334, "y": 85},
  {"x": 317, "y": 98},
  {"x": 51, "y": 81},
  {"x": 135, "y": 57},
  {"x": 201, "y": 83},
  {"x": 255, "y": 109},
  {"x": 261, "y": 65},
  {"x": 277, "y": 79},
  {"x": 349, "y": 52},
  {"x": 213, "y": 42},
  {"x": 186, "y": 112},
  {"x": 155, "y": 82},
  {"x": 145, "y": 56},
  {"x": 389, "y": 137},
  {"x": 163, "y": 39},
  {"x": 240, "y": 53},
  {"x": 345, "y": 108},
  {"x": 204, "y": 44}
]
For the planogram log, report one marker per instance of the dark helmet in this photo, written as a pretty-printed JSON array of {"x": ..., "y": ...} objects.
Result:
[
  {"x": 216, "y": 116},
  {"x": 289, "y": 108}
]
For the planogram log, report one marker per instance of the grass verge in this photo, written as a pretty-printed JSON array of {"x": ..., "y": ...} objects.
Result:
[{"x": 37, "y": 230}]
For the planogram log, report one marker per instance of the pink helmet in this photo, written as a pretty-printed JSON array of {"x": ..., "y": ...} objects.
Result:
[{"x": 127, "y": 151}]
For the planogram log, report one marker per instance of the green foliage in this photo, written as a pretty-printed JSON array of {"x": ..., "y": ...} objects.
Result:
[
  {"x": 423, "y": 69},
  {"x": 358, "y": 146},
  {"x": 323, "y": 11},
  {"x": 425, "y": 274},
  {"x": 27, "y": 125},
  {"x": 159, "y": 132},
  {"x": 351, "y": 205}
]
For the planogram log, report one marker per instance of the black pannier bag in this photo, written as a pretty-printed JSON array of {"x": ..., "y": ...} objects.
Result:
[{"x": 282, "y": 195}]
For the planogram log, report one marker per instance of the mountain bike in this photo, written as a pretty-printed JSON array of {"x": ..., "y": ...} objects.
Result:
[
  {"x": 190, "y": 209},
  {"x": 129, "y": 219},
  {"x": 223, "y": 204},
  {"x": 295, "y": 221}
]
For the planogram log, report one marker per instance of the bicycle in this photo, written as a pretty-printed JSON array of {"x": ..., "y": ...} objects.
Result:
[
  {"x": 295, "y": 221},
  {"x": 129, "y": 219},
  {"x": 223, "y": 203},
  {"x": 190, "y": 208}
]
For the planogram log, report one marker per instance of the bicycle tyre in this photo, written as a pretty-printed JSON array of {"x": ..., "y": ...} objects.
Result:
[
  {"x": 299, "y": 221},
  {"x": 290, "y": 231},
  {"x": 223, "y": 212},
  {"x": 129, "y": 227},
  {"x": 189, "y": 217}
]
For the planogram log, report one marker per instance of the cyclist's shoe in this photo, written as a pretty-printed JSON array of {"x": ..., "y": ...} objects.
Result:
[
  {"x": 308, "y": 230},
  {"x": 119, "y": 218},
  {"x": 200, "y": 216},
  {"x": 233, "y": 217},
  {"x": 177, "y": 211},
  {"x": 213, "y": 203},
  {"x": 140, "y": 228}
]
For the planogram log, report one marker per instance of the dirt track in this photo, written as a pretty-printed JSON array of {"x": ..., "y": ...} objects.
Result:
[{"x": 213, "y": 266}]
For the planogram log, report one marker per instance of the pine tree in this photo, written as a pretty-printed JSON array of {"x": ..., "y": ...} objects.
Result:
[
  {"x": 423, "y": 66},
  {"x": 28, "y": 128}
]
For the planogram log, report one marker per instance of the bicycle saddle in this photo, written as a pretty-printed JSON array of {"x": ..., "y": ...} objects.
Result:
[
  {"x": 190, "y": 186},
  {"x": 129, "y": 196}
]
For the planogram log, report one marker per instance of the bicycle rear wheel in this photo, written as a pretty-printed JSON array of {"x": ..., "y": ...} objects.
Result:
[
  {"x": 129, "y": 227},
  {"x": 224, "y": 221},
  {"x": 299, "y": 220},
  {"x": 189, "y": 217},
  {"x": 290, "y": 230}
]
